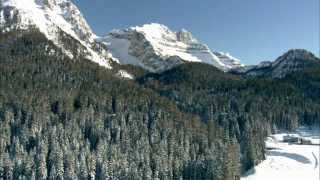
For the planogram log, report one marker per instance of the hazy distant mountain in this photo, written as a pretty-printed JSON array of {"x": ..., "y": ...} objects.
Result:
[{"x": 294, "y": 60}]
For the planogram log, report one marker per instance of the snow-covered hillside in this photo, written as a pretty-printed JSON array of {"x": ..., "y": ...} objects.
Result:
[
  {"x": 156, "y": 48},
  {"x": 55, "y": 19},
  {"x": 228, "y": 60},
  {"x": 289, "y": 161}
]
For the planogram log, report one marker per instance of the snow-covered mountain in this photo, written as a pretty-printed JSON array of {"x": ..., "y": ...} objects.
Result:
[
  {"x": 292, "y": 61},
  {"x": 152, "y": 46},
  {"x": 228, "y": 60},
  {"x": 156, "y": 48},
  {"x": 60, "y": 21}
]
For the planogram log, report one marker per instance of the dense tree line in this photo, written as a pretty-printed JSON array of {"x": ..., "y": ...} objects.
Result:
[
  {"x": 246, "y": 107},
  {"x": 65, "y": 119}
]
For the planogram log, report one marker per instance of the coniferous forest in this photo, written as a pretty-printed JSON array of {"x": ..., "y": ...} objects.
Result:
[{"x": 72, "y": 119}]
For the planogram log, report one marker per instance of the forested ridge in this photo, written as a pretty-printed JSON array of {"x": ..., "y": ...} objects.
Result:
[
  {"x": 202, "y": 89},
  {"x": 247, "y": 106},
  {"x": 67, "y": 119}
]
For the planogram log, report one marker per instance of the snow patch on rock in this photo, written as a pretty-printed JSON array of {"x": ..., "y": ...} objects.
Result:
[{"x": 125, "y": 74}]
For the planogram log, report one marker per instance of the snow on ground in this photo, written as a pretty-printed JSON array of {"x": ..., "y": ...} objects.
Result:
[
  {"x": 289, "y": 161},
  {"x": 125, "y": 74},
  {"x": 120, "y": 49}
]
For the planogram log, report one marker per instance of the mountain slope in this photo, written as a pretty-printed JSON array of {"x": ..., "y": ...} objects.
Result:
[
  {"x": 156, "y": 48},
  {"x": 295, "y": 60},
  {"x": 153, "y": 46},
  {"x": 58, "y": 20}
]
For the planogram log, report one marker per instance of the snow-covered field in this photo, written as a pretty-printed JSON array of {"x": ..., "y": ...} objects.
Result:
[{"x": 289, "y": 161}]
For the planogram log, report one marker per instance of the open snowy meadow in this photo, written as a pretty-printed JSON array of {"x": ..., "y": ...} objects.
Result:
[{"x": 292, "y": 161}]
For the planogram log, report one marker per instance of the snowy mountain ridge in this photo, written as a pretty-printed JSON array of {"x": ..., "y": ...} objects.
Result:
[
  {"x": 53, "y": 18},
  {"x": 155, "y": 47},
  {"x": 152, "y": 46}
]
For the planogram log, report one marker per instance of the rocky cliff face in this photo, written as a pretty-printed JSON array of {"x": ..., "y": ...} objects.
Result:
[
  {"x": 156, "y": 48},
  {"x": 60, "y": 21}
]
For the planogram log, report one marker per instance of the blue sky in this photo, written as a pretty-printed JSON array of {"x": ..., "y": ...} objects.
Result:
[{"x": 251, "y": 30}]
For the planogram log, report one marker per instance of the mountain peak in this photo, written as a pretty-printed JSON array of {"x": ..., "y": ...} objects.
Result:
[
  {"x": 294, "y": 60},
  {"x": 156, "y": 48},
  {"x": 46, "y": 13},
  {"x": 52, "y": 3},
  {"x": 56, "y": 19},
  {"x": 298, "y": 51},
  {"x": 297, "y": 54},
  {"x": 158, "y": 31},
  {"x": 151, "y": 26},
  {"x": 185, "y": 36}
]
